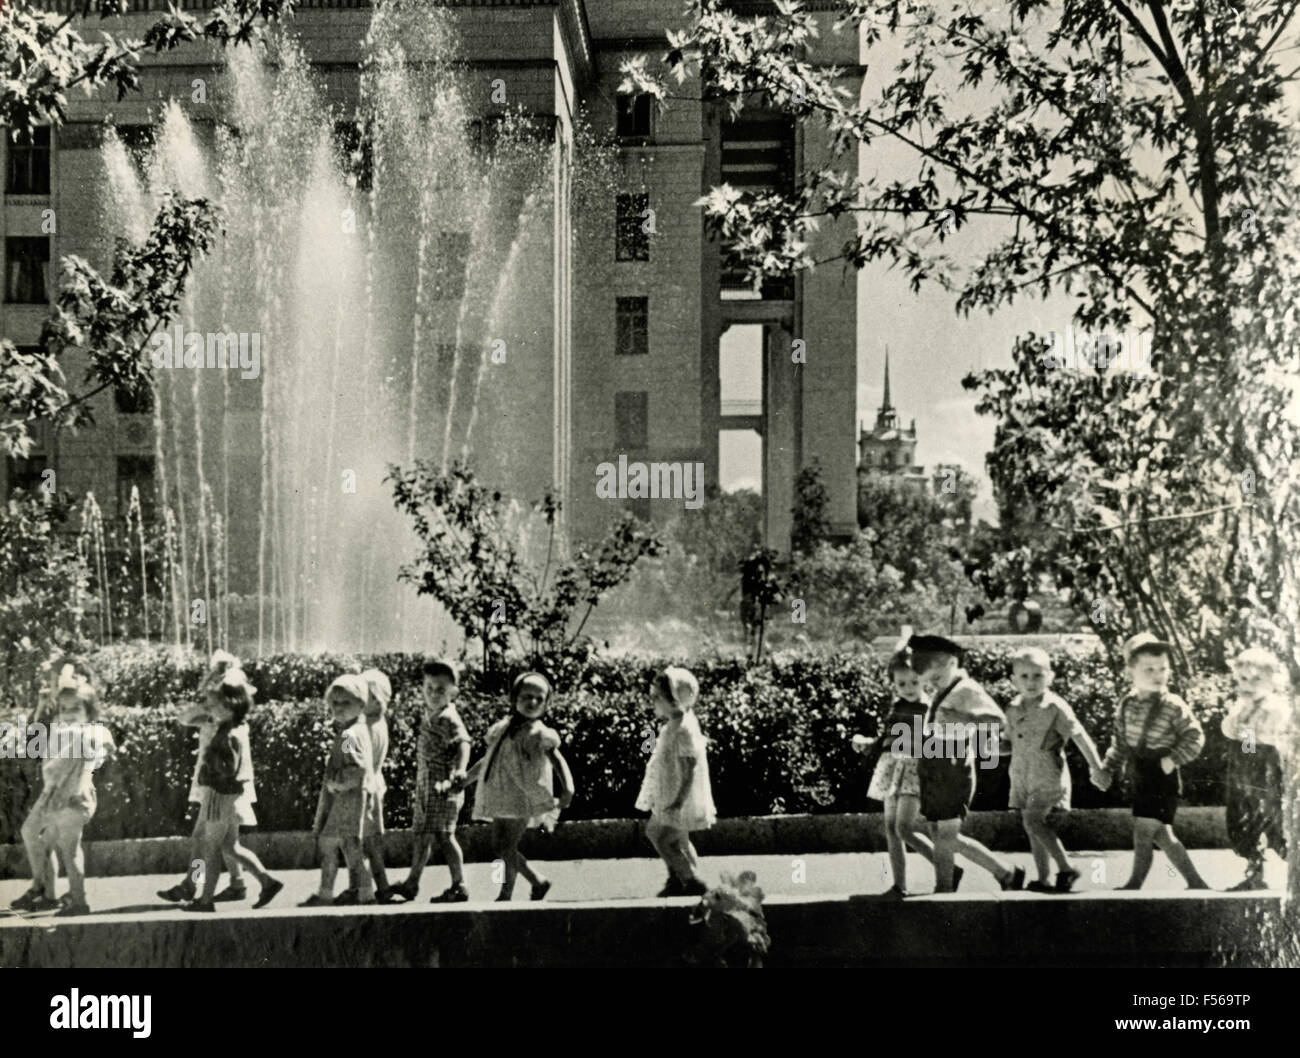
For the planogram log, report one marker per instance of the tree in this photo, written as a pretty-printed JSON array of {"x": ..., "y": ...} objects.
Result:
[
  {"x": 1138, "y": 159},
  {"x": 44, "y": 55},
  {"x": 476, "y": 560}
]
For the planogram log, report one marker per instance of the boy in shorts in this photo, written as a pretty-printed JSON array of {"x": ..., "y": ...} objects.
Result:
[
  {"x": 1155, "y": 734},
  {"x": 947, "y": 765},
  {"x": 442, "y": 759},
  {"x": 1039, "y": 724}
]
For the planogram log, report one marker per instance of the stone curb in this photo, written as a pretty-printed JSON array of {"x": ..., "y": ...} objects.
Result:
[{"x": 1096, "y": 829}]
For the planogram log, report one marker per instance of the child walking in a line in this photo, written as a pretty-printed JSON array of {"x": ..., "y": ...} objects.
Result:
[
  {"x": 199, "y": 716},
  {"x": 516, "y": 778},
  {"x": 1259, "y": 726},
  {"x": 441, "y": 762},
  {"x": 380, "y": 693},
  {"x": 1155, "y": 734},
  {"x": 77, "y": 748},
  {"x": 1039, "y": 723},
  {"x": 894, "y": 779},
  {"x": 226, "y": 772},
  {"x": 342, "y": 819},
  {"x": 676, "y": 789},
  {"x": 948, "y": 780}
]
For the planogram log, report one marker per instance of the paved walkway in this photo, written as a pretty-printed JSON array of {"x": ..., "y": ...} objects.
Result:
[{"x": 781, "y": 877}]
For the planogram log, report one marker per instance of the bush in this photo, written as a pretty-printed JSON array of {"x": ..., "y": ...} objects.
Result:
[{"x": 779, "y": 733}]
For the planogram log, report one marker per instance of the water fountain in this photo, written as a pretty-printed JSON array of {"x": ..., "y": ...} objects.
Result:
[{"x": 376, "y": 280}]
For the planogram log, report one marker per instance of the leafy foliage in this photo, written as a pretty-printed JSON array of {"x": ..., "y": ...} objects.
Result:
[
  {"x": 1139, "y": 159},
  {"x": 42, "y": 585},
  {"x": 477, "y": 561}
]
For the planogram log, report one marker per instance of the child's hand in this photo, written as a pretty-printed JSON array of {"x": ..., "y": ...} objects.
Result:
[
  {"x": 861, "y": 743},
  {"x": 566, "y": 798},
  {"x": 1101, "y": 778},
  {"x": 1167, "y": 765}
]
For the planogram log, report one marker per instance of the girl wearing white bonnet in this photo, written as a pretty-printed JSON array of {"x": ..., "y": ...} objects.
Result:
[{"x": 676, "y": 790}]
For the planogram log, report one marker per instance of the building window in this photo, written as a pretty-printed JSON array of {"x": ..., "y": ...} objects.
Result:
[
  {"x": 135, "y": 472},
  {"x": 26, "y": 262},
  {"x": 452, "y": 260},
  {"x": 29, "y": 164},
  {"x": 632, "y": 420},
  {"x": 635, "y": 116},
  {"x": 355, "y": 149},
  {"x": 139, "y": 142},
  {"x": 26, "y": 474},
  {"x": 632, "y": 330},
  {"x": 631, "y": 240}
]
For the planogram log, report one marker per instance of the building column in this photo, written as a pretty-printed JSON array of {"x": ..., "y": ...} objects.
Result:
[{"x": 779, "y": 441}]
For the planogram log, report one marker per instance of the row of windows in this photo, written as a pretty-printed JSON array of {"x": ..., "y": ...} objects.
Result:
[{"x": 132, "y": 472}]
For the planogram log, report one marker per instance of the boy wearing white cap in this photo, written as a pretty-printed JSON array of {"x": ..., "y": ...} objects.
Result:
[
  {"x": 1155, "y": 734},
  {"x": 676, "y": 789}
]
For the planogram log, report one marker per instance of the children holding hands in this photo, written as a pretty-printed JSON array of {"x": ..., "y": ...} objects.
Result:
[
  {"x": 1039, "y": 724},
  {"x": 343, "y": 818},
  {"x": 1154, "y": 734},
  {"x": 1260, "y": 727},
  {"x": 516, "y": 777},
  {"x": 441, "y": 763}
]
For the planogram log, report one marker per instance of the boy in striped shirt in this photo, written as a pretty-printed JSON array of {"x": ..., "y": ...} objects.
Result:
[{"x": 1155, "y": 734}]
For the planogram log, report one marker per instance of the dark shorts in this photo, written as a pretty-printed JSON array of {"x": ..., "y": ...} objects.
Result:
[
  {"x": 1155, "y": 794},
  {"x": 947, "y": 787}
]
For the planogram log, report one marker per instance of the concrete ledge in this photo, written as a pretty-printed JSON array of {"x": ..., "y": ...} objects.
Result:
[
  {"x": 1093, "y": 829},
  {"x": 1015, "y": 929}
]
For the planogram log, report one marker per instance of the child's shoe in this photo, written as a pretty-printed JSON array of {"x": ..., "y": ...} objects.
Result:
[
  {"x": 539, "y": 891},
  {"x": 407, "y": 890},
  {"x": 453, "y": 894},
  {"x": 893, "y": 893},
  {"x": 1248, "y": 884},
  {"x": 316, "y": 900},
  {"x": 957, "y": 872},
  {"x": 270, "y": 890},
  {"x": 232, "y": 892},
  {"x": 27, "y": 902},
  {"x": 1037, "y": 886},
  {"x": 71, "y": 908},
  {"x": 1016, "y": 881},
  {"x": 672, "y": 887},
  {"x": 386, "y": 895},
  {"x": 694, "y": 887},
  {"x": 200, "y": 905},
  {"x": 347, "y": 898},
  {"x": 45, "y": 903},
  {"x": 178, "y": 893},
  {"x": 1065, "y": 880}
]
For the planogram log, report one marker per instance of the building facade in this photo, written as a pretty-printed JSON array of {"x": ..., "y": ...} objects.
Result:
[{"x": 626, "y": 359}]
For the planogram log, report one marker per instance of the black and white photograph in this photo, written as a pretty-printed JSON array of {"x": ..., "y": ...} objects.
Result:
[{"x": 651, "y": 485}]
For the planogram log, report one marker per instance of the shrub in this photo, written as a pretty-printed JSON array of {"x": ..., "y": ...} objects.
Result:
[{"x": 779, "y": 733}]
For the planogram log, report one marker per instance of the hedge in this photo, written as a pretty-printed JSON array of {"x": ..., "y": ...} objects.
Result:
[{"x": 779, "y": 734}]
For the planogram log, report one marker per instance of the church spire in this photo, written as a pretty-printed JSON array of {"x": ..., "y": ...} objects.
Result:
[{"x": 886, "y": 417}]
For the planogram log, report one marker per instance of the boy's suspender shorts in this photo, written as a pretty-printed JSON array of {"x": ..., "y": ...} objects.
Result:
[
  {"x": 1155, "y": 794},
  {"x": 947, "y": 786}
]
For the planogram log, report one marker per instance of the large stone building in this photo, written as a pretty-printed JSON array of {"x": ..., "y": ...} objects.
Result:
[{"x": 631, "y": 331}]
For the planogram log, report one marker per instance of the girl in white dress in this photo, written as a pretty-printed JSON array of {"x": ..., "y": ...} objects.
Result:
[{"x": 676, "y": 790}]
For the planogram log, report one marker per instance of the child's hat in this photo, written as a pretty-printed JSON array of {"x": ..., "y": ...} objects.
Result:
[
  {"x": 1145, "y": 643},
  {"x": 350, "y": 683},
  {"x": 682, "y": 686},
  {"x": 934, "y": 644},
  {"x": 379, "y": 686}
]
